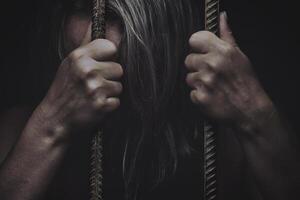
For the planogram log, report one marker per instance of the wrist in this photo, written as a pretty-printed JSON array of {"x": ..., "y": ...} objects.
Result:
[
  {"x": 49, "y": 126},
  {"x": 259, "y": 114}
]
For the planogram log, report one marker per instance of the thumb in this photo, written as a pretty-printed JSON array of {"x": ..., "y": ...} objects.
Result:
[{"x": 225, "y": 31}]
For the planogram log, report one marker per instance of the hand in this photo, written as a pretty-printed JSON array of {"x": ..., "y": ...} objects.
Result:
[
  {"x": 224, "y": 86},
  {"x": 85, "y": 88}
]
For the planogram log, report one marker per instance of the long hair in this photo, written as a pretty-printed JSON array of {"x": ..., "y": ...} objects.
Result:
[{"x": 156, "y": 117}]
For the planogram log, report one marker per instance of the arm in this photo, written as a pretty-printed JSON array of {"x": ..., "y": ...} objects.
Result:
[
  {"x": 226, "y": 90},
  {"x": 30, "y": 166},
  {"x": 272, "y": 150},
  {"x": 83, "y": 91}
]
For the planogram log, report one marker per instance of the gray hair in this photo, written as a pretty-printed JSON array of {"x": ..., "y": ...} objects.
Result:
[
  {"x": 156, "y": 117},
  {"x": 153, "y": 49}
]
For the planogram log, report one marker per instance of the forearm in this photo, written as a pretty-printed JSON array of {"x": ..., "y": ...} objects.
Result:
[
  {"x": 272, "y": 152},
  {"x": 30, "y": 166}
]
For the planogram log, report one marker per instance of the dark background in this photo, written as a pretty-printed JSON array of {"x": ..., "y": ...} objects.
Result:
[{"x": 267, "y": 32}]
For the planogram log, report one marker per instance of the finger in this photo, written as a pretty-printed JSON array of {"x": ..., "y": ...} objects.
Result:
[
  {"x": 200, "y": 96},
  {"x": 106, "y": 104},
  {"x": 203, "y": 42},
  {"x": 89, "y": 68},
  {"x": 194, "y": 62},
  {"x": 111, "y": 70},
  {"x": 111, "y": 104},
  {"x": 225, "y": 31},
  {"x": 192, "y": 79},
  {"x": 199, "y": 79},
  {"x": 108, "y": 70},
  {"x": 101, "y": 88},
  {"x": 100, "y": 50},
  {"x": 111, "y": 89}
]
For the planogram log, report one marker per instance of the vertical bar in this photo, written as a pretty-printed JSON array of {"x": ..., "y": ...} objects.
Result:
[
  {"x": 96, "y": 175},
  {"x": 212, "y": 13},
  {"x": 98, "y": 19},
  {"x": 212, "y": 8}
]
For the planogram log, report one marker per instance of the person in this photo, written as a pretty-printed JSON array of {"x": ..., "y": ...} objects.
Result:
[{"x": 148, "y": 85}]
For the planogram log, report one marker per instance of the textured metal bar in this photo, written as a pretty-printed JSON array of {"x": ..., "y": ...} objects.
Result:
[
  {"x": 98, "y": 19},
  {"x": 210, "y": 147},
  {"x": 212, "y": 15},
  {"x": 96, "y": 176},
  {"x": 210, "y": 163}
]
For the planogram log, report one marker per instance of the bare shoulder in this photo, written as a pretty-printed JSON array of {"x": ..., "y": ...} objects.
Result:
[{"x": 12, "y": 122}]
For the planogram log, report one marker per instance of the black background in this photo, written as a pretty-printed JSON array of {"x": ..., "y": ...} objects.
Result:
[{"x": 267, "y": 31}]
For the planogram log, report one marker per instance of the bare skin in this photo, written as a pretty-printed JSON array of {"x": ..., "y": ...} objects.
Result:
[
  {"x": 226, "y": 90},
  {"x": 86, "y": 89}
]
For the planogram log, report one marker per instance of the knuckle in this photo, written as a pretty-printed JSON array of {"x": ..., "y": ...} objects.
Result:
[
  {"x": 213, "y": 63},
  {"x": 209, "y": 79},
  {"x": 101, "y": 82},
  {"x": 199, "y": 76},
  {"x": 228, "y": 50},
  {"x": 94, "y": 74},
  {"x": 107, "y": 105},
  {"x": 114, "y": 102},
  {"x": 199, "y": 97},
  {"x": 93, "y": 85},
  {"x": 216, "y": 64},
  {"x": 78, "y": 65},
  {"x": 75, "y": 55},
  {"x": 202, "y": 97},
  {"x": 99, "y": 104},
  {"x": 90, "y": 88},
  {"x": 81, "y": 68}
]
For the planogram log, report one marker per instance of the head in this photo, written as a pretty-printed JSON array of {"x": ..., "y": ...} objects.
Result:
[{"x": 156, "y": 114}]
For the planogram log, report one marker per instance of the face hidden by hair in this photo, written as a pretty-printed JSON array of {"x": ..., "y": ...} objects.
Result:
[{"x": 155, "y": 112}]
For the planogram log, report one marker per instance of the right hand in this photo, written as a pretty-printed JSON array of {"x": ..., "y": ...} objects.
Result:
[{"x": 85, "y": 88}]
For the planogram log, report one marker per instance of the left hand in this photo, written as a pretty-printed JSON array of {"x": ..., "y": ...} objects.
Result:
[{"x": 224, "y": 85}]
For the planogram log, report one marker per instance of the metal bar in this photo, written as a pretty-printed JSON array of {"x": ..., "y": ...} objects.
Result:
[
  {"x": 96, "y": 175},
  {"x": 98, "y": 19},
  {"x": 212, "y": 8}
]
